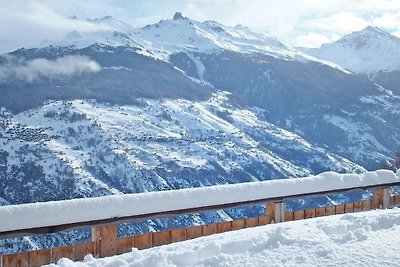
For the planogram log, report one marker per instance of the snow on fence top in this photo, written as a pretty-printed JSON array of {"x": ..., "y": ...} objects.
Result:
[{"x": 44, "y": 214}]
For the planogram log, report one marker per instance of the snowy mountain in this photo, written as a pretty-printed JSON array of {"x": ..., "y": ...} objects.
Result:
[
  {"x": 182, "y": 34},
  {"x": 179, "y": 104},
  {"x": 370, "y": 52}
]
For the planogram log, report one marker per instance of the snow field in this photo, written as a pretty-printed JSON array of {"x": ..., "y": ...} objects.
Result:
[{"x": 361, "y": 239}]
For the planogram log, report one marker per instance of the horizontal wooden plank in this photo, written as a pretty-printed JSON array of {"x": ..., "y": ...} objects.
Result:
[
  {"x": 161, "y": 238},
  {"x": 83, "y": 249},
  {"x": 238, "y": 224},
  {"x": 38, "y": 258},
  {"x": 309, "y": 213},
  {"x": 15, "y": 260},
  {"x": 366, "y": 205},
  {"x": 194, "y": 232},
  {"x": 124, "y": 244},
  {"x": 397, "y": 200},
  {"x": 339, "y": 209},
  {"x": 62, "y": 252},
  {"x": 251, "y": 222},
  {"x": 210, "y": 229},
  {"x": 319, "y": 212},
  {"x": 330, "y": 210},
  {"x": 348, "y": 208},
  {"x": 262, "y": 220},
  {"x": 143, "y": 241},
  {"x": 391, "y": 201},
  {"x": 289, "y": 216},
  {"x": 178, "y": 235},
  {"x": 357, "y": 206},
  {"x": 298, "y": 214},
  {"x": 224, "y": 227}
]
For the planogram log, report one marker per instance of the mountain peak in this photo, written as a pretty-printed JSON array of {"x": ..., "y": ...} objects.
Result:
[
  {"x": 367, "y": 51},
  {"x": 178, "y": 16},
  {"x": 373, "y": 29},
  {"x": 367, "y": 32}
]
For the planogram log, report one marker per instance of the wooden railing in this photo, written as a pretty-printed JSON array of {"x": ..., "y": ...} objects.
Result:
[{"x": 106, "y": 243}]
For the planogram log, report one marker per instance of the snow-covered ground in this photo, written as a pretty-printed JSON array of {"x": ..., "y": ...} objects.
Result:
[{"x": 362, "y": 239}]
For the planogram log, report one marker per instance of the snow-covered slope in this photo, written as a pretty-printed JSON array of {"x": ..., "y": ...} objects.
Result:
[
  {"x": 81, "y": 148},
  {"x": 364, "y": 52},
  {"x": 361, "y": 239},
  {"x": 93, "y": 149},
  {"x": 182, "y": 34}
]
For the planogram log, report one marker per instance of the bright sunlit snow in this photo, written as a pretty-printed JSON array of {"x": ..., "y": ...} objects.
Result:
[{"x": 361, "y": 239}]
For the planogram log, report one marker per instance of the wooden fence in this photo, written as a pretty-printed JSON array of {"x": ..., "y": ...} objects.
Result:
[{"x": 106, "y": 243}]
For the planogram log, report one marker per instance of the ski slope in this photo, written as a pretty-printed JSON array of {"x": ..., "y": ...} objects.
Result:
[{"x": 362, "y": 239}]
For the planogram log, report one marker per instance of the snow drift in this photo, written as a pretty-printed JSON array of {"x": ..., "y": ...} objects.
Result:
[{"x": 362, "y": 239}]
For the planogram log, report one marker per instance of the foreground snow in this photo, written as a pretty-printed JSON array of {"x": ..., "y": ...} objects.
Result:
[{"x": 362, "y": 239}]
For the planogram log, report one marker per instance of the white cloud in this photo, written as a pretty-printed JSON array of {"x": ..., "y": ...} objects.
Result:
[
  {"x": 28, "y": 23},
  {"x": 388, "y": 20},
  {"x": 31, "y": 70},
  {"x": 340, "y": 23},
  {"x": 312, "y": 40}
]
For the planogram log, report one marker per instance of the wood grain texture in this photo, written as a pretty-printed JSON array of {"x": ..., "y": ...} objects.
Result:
[
  {"x": 358, "y": 206},
  {"x": 143, "y": 241},
  {"x": 210, "y": 229},
  {"x": 38, "y": 258},
  {"x": 83, "y": 249},
  {"x": 262, "y": 220},
  {"x": 251, "y": 222},
  {"x": 391, "y": 201},
  {"x": 62, "y": 252},
  {"x": 397, "y": 200},
  {"x": 178, "y": 235},
  {"x": 194, "y": 232},
  {"x": 348, "y": 208},
  {"x": 161, "y": 238},
  {"x": 309, "y": 213},
  {"x": 238, "y": 224},
  {"x": 124, "y": 244},
  {"x": 298, "y": 215},
  {"x": 224, "y": 227},
  {"x": 289, "y": 216},
  {"x": 270, "y": 212},
  {"x": 366, "y": 205},
  {"x": 15, "y": 260},
  {"x": 339, "y": 209},
  {"x": 319, "y": 212},
  {"x": 330, "y": 210}
]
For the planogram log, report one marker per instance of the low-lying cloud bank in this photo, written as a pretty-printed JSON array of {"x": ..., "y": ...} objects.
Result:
[{"x": 32, "y": 70}]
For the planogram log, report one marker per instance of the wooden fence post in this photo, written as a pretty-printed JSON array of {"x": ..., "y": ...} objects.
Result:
[
  {"x": 105, "y": 240},
  {"x": 280, "y": 212},
  {"x": 275, "y": 212},
  {"x": 270, "y": 212},
  {"x": 382, "y": 197}
]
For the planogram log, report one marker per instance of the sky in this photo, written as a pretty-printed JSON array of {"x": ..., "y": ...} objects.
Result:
[{"x": 309, "y": 23}]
